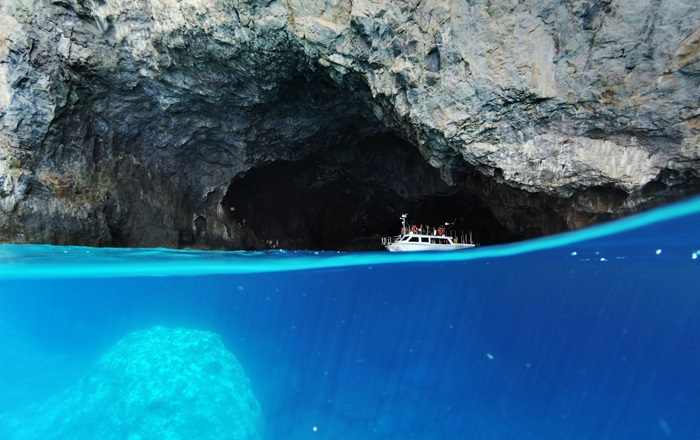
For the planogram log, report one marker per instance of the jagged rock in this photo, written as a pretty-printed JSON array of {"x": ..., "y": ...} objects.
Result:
[
  {"x": 125, "y": 121},
  {"x": 154, "y": 384}
]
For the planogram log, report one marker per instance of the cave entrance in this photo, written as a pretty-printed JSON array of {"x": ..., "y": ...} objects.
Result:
[{"x": 347, "y": 197}]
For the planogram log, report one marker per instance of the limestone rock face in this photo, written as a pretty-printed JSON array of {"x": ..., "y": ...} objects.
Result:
[
  {"x": 155, "y": 384},
  {"x": 125, "y": 121}
]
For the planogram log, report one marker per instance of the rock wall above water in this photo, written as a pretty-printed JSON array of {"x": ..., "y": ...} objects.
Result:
[{"x": 126, "y": 121}]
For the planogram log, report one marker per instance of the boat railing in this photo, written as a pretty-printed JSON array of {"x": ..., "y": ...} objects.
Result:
[{"x": 390, "y": 239}]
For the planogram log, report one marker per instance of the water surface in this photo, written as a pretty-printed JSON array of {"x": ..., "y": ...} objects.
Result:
[{"x": 590, "y": 335}]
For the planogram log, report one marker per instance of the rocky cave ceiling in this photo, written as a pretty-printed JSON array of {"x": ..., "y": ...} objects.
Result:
[{"x": 236, "y": 124}]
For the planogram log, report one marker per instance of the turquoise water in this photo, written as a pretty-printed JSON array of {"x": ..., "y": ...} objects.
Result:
[{"x": 589, "y": 335}]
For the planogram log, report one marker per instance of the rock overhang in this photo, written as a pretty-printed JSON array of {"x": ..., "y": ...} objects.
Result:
[{"x": 127, "y": 120}]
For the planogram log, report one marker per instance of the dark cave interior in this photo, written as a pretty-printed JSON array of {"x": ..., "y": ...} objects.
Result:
[{"x": 348, "y": 197}]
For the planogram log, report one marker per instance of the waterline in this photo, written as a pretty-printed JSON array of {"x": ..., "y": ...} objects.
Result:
[{"x": 47, "y": 261}]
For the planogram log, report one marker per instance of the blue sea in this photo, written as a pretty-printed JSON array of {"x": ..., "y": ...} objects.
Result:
[{"x": 589, "y": 335}]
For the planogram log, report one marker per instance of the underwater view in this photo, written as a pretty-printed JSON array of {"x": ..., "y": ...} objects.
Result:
[{"x": 587, "y": 335}]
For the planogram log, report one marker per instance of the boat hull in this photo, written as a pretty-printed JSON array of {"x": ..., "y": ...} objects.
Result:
[{"x": 422, "y": 247}]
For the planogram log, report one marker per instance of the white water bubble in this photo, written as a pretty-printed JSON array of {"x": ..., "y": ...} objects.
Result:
[
  {"x": 490, "y": 356},
  {"x": 314, "y": 428},
  {"x": 574, "y": 253},
  {"x": 603, "y": 259},
  {"x": 694, "y": 255},
  {"x": 658, "y": 252}
]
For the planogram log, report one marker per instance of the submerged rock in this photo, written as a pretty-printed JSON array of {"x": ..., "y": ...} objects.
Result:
[
  {"x": 125, "y": 121},
  {"x": 164, "y": 384}
]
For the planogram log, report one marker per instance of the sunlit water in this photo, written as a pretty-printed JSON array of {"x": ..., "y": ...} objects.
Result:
[{"x": 591, "y": 335}]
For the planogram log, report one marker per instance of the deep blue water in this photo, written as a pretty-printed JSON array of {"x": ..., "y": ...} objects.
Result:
[{"x": 592, "y": 335}]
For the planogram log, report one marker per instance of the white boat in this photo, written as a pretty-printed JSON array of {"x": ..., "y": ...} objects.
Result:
[
  {"x": 410, "y": 241},
  {"x": 418, "y": 242}
]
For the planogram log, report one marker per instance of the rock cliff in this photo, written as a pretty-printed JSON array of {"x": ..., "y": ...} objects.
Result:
[{"x": 127, "y": 122}]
